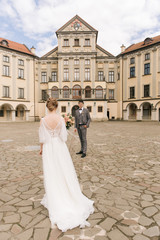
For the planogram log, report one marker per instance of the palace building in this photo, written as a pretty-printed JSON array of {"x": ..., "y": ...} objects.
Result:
[{"x": 123, "y": 87}]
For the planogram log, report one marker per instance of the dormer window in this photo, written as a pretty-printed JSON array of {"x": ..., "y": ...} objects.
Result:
[
  {"x": 4, "y": 42},
  {"x": 148, "y": 40}
]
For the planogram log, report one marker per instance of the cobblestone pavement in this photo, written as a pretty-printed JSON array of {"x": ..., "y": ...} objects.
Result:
[{"x": 121, "y": 173}]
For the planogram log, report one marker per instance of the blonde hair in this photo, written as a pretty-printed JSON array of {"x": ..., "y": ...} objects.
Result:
[{"x": 51, "y": 104}]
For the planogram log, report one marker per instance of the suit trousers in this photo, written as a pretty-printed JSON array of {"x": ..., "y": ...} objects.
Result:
[{"x": 82, "y": 132}]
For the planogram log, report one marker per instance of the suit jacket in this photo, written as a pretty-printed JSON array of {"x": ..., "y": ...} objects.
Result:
[{"x": 85, "y": 117}]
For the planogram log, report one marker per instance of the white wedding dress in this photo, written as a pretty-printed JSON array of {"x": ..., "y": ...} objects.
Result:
[{"x": 67, "y": 206}]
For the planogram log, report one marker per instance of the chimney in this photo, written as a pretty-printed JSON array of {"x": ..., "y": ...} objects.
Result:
[
  {"x": 123, "y": 48},
  {"x": 33, "y": 50}
]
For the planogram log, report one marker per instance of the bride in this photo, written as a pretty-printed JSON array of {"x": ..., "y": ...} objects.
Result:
[{"x": 67, "y": 206}]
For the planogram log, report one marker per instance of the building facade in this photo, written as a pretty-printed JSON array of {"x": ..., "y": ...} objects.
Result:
[
  {"x": 123, "y": 87},
  {"x": 17, "y": 99}
]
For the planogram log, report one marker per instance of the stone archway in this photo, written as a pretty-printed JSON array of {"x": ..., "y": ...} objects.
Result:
[
  {"x": 74, "y": 108},
  {"x": 132, "y": 111},
  {"x": 6, "y": 112},
  {"x": 21, "y": 112},
  {"x": 146, "y": 109}
]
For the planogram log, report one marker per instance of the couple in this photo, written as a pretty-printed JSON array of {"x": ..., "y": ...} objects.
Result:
[{"x": 67, "y": 206}]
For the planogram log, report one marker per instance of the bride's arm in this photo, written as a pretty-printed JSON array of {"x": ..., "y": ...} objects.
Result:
[{"x": 41, "y": 149}]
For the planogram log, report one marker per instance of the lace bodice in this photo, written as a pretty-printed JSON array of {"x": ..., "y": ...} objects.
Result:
[{"x": 46, "y": 132}]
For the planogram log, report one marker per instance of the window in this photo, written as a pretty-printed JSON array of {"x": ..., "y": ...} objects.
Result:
[
  {"x": 20, "y": 73},
  {"x": 54, "y": 92},
  {"x": 54, "y": 76},
  {"x": 63, "y": 109},
  {"x": 87, "y": 74},
  {"x": 99, "y": 92},
  {"x": 76, "y": 61},
  {"x": 5, "y": 59},
  {"x": 132, "y": 60},
  {"x": 100, "y": 109},
  {"x": 87, "y": 61},
  {"x": 1, "y": 113},
  {"x": 132, "y": 72},
  {"x": 88, "y": 92},
  {"x": 89, "y": 108},
  {"x": 87, "y": 42},
  {"x": 100, "y": 76},
  {"x": 146, "y": 68},
  {"x": 65, "y": 92},
  {"x": 147, "y": 56},
  {"x": 111, "y": 76},
  {"x": 76, "y": 42},
  {"x": 44, "y": 77},
  {"x": 4, "y": 42},
  {"x": 21, "y": 93},
  {"x": 76, "y": 74},
  {"x": 111, "y": 93},
  {"x": 76, "y": 91},
  {"x": 21, "y": 62},
  {"x": 132, "y": 92},
  {"x": 66, "y": 74},
  {"x": 5, "y": 70},
  {"x": 44, "y": 95},
  {"x": 65, "y": 62},
  {"x": 66, "y": 42},
  {"x": 146, "y": 91},
  {"x": 5, "y": 91}
]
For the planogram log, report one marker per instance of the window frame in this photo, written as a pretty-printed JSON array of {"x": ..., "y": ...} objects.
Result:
[
  {"x": 132, "y": 72},
  {"x": 43, "y": 77},
  {"x": 87, "y": 74},
  {"x": 146, "y": 68},
  {"x": 111, "y": 76},
  {"x": 6, "y": 91},
  {"x": 131, "y": 92},
  {"x": 147, "y": 90},
  {"x": 6, "y": 70},
  {"x": 21, "y": 73},
  {"x": 111, "y": 94}
]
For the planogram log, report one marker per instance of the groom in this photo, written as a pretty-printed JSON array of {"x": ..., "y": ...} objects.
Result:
[{"x": 82, "y": 121}]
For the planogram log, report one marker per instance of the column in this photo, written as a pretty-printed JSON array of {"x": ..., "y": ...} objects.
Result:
[
  {"x": 13, "y": 115},
  {"x": 27, "y": 115},
  {"x": 125, "y": 115},
  {"x": 105, "y": 110},
  {"x": 94, "y": 110},
  {"x": 139, "y": 115},
  {"x": 153, "y": 114}
]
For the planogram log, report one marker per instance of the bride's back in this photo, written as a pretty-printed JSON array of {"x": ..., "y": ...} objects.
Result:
[{"x": 52, "y": 120}]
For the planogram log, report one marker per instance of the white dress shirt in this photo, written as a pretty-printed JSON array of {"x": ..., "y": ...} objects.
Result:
[{"x": 80, "y": 111}]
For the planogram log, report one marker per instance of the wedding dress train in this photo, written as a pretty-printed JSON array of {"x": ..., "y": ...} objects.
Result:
[{"x": 67, "y": 206}]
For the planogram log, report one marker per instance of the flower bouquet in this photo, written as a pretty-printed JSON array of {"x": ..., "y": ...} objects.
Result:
[{"x": 69, "y": 120}]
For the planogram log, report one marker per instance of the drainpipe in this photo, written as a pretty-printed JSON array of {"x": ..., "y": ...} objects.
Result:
[{"x": 122, "y": 87}]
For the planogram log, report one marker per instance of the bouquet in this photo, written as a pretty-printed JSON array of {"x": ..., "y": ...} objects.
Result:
[{"x": 69, "y": 120}]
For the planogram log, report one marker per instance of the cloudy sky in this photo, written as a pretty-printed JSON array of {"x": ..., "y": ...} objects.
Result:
[{"x": 34, "y": 22}]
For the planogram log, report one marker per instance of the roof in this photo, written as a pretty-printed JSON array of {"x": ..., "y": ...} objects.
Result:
[
  {"x": 15, "y": 46},
  {"x": 50, "y": 52},
  {"x": 76, "y": 17},
  {"x": 147, "y": 42},
  {"x": 103, "y": 50}
]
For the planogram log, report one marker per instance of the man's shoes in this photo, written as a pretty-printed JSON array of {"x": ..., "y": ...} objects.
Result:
[
  {"x": 83, "y": 155},
  {"x": 79, "y": 152}
]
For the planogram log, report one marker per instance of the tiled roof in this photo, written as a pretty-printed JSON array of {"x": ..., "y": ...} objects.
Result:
[
  {"x": 147, "y": 42},
  {"x": 15, "y": 46}
]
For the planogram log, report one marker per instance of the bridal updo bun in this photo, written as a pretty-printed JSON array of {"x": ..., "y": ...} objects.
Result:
[{"x": 51, "y": 104}]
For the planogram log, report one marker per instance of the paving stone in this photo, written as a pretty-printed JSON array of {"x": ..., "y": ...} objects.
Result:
[
  {"x": 55, "y": 233},
  {"x": 144, "y": 221},
  {"x": 117, "y": 235},
  {"x": 26, "y": 235},
  {"x": 108, "y": 223},
  {"x": 150, "y": 211},
  {"x": 7, "y": 208},
  {"x": 126, "y": 230},
  {"x": 32, "y": 191},
  {"x": 92, "y": 232},
  {"x": 44, "y": 224},
  {"x": 101, "y": 238},
  {"x": 1, "y": 216},
  {"x": 41, "y": 234},
  {"x": 25, "y": 219},
  {"x": 24, "y": 209},
  {"x": 147, "y": 197},
  {"x": 140, "y": 237},
  {"x": 146, "y": 204},
  {"x": 15, "y": 218},
  {"x": 152, "y": 232},
  {"x": 35, "y": 221},
  {"x": 5, "y": 227},
  {"x": 4, "y": 235},
  {"x": 96, "y": 215},
  {"x": 5, "y": 197},
  {"x": 16, "y": 229},
  {"x": 24, "y": 203}
]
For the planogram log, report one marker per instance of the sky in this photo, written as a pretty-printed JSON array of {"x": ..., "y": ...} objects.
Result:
[{"x": 34, "y": 22}]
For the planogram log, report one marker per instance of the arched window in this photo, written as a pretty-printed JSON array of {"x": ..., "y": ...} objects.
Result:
[
  {"x": 99, "y": 92},
  {"x": 88, "y": 92},
  {"x": 76, "y": 92},
  {"x": 55, "y": 92},
  {"x": 65, "y": 92}
]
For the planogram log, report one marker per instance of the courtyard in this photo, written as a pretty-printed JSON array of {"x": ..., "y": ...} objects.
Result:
[{"x": 121, "y": 173}]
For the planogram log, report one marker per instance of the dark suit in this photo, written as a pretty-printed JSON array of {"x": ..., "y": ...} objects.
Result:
[{"x": 82, "y": 119}]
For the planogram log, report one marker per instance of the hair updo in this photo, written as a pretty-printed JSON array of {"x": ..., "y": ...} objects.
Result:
[{"x": 51, "y": 104}]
